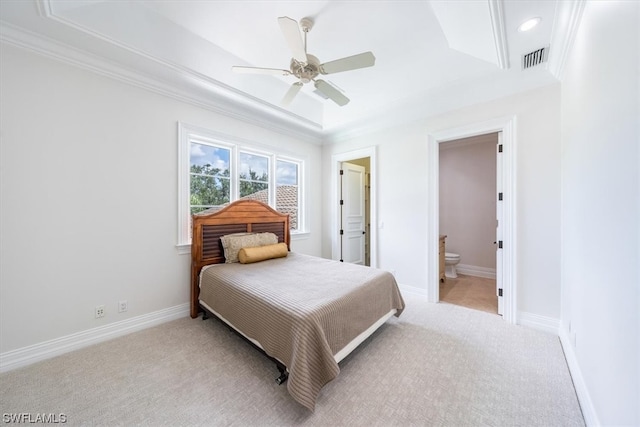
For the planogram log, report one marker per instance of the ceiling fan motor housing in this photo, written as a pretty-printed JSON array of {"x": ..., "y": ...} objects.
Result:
[
  {"x": 305, "y": 72},
  {"x": 306, "y": 24}
]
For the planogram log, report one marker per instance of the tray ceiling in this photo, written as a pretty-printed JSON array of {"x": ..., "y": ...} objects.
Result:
[{"x": 431, "y": 56}]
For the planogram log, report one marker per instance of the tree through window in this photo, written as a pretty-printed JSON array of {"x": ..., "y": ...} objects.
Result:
[
  {"x": 209, "y": 177},
  {"x": 254, "y": 177}
]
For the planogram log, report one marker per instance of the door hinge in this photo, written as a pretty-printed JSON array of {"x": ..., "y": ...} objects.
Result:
[
  {"x": 499, "y": 196},
  {"x": 341, "y": 232},
  {"x": 341, "y": 202},
  {"x": 499, "y": 149},
  {"x": 341, "y": 172},
  {"x": 500, "y": 244},
  {"x": 499, "y": 292}
]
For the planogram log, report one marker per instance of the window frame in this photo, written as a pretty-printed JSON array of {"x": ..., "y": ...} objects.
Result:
[
  {"x": 190, "y": 133},
  {"x": 301, "y": 206}
]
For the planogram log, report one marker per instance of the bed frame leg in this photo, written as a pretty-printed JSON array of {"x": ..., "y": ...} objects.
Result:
[{"x": 284, "y": 375}]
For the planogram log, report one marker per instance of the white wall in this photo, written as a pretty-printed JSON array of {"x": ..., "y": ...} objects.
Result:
[
  {"x": 89, "y": 197},
  {"x": 402, "y": 193},
  {"x": 468, "y": 199},
  {"x": 601, "y": 212}
]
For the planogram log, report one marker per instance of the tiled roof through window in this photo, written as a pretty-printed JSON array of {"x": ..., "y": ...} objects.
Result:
[{"x": 286, "y": 202}]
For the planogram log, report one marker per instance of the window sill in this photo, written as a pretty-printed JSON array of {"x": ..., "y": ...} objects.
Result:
[
  {"x": 184, "y": 248},
  {"x": 301, "y": 235}
]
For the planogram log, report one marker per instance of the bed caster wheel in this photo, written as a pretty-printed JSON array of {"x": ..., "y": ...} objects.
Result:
[{"x": 282, "y": 378}]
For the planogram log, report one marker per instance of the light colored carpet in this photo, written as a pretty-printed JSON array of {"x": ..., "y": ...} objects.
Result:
[
  {"x": 436, "y": 365},
  {"x": 471, "y": 292}
]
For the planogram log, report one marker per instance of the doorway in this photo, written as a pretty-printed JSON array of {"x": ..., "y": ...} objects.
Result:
[
  {"x": 355, "y": 211},
  {"x": 467, "y": 219},
  {"x": 505, "y": 231},
  {"x": 365, "y": 158}
]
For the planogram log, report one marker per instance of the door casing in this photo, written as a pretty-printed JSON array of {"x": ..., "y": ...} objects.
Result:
[
  {"x": 336, "y": 160},
  {"x": 506, "y": 125}
]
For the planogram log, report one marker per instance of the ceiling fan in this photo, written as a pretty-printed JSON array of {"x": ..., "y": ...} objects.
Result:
[{"x": 306, "y": 67}]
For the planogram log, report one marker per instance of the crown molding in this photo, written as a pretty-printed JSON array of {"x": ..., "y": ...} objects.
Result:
[
  {"x": 185, "y": 86},
  {"x": 565, "y": 27},
  {"x": 499, "y": 33}
]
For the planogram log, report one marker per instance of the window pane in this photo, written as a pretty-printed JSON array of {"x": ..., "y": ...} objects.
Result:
[
  {"x": 287, "y": 191},
  {"x": 286, "y": 173},
  {"x": 209, "y": 160},
  {"x": 254, "y": 177},
  {"x": 209, "y": 178}
]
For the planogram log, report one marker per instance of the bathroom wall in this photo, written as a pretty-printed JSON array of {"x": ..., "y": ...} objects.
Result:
[{"x": 468, "y": 202}]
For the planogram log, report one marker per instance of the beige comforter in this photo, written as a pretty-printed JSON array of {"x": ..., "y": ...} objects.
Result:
[{"x": 302, "y": 310}]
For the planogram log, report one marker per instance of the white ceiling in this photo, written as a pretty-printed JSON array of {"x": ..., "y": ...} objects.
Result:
[{"x": 431, "y": 56}]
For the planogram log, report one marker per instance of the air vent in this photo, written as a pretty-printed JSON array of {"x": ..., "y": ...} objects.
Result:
[{"x": 534, "y": 58}]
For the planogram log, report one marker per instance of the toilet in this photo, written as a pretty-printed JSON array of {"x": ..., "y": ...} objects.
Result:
[{"x": 450, "y": 262}]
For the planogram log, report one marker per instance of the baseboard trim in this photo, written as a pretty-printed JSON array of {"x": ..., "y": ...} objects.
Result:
[
  {"x": 34, "y": 353},
  {"x": 472, "y": 270},
  {"x": 586, "y": 404},
  {"x": 420, "y": 292},
  {"x": 541, "y": 323}
]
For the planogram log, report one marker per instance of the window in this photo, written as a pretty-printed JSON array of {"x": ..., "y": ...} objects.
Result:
[{"x": 216, "y": 169}]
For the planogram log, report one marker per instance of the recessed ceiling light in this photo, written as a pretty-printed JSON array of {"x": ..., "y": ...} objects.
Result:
[{"x": 529, "y": 24}]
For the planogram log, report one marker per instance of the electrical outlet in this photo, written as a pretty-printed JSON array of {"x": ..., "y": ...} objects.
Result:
[
  {"x": 100, "y": 311},
  {"x": 123, "y": 306}
]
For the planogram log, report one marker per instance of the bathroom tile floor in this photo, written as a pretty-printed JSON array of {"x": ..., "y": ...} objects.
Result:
[{"x": 477, "y": 293}]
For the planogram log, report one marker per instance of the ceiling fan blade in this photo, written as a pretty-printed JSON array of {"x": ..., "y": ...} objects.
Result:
[
  {"x": 291, "y": 93},
  {"x": 291, "y": 32},
  {"x": 354, "y": 62},
  {"x": 258, "y": 70},
  {"x": 334, "y": 94}
]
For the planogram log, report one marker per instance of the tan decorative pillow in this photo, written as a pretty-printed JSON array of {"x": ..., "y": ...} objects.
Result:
[
  {"x": 261, "y": 253},
  {"x": 232, "y": 243}
]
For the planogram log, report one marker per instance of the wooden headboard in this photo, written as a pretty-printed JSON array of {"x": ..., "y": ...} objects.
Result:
[{"x": 238, "y": 217}]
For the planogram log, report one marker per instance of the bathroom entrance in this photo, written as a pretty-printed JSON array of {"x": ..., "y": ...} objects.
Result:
[
  {"x": 503, "y": 218},
  {"x": 467, "y": 221}
]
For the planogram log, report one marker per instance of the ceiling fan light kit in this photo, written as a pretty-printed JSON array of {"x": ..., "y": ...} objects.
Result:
[{"x": 306, "y": 67}]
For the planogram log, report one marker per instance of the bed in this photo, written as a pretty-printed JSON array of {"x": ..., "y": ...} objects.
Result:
[{"x": 306, "y": 313}]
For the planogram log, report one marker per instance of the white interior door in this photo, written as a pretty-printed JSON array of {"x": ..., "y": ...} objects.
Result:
[
  {"x": 499, "y": 225},
  {"x": 352, "y": 222}
]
